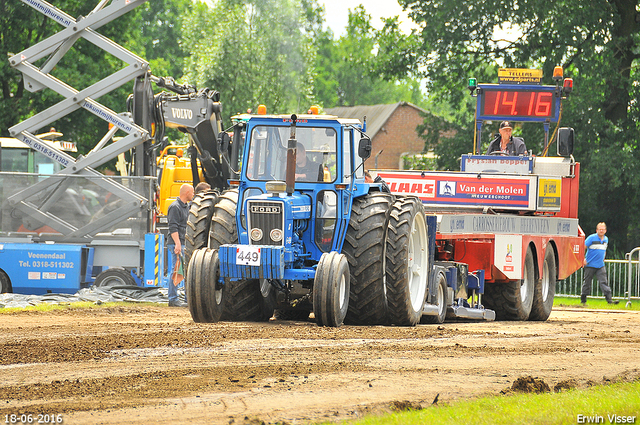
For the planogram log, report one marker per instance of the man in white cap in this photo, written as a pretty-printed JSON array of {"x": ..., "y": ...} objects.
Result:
[{"x": 506, "y": 144}]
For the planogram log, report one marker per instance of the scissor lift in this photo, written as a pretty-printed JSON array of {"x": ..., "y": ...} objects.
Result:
[{"x": 43, "y": 206}]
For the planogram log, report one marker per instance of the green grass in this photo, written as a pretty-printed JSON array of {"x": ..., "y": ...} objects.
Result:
[
  {"x": 595, "y": 303},
  {"x": 622, "y": 399},
  {"x": 76, "y": 305}
]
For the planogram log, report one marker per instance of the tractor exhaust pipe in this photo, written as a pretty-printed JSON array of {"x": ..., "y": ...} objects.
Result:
[{"x": 291, "y": 157}]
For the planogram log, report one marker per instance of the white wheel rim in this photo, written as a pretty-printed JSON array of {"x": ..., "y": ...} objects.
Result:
[
  {"x": 526, "y": 284},
  {"x": 218, "y": 295},
  {"x": 545, "y": 281},
  {"x": 265, "y": 287},
  {"x": 440, "y": 300},
  {"x": 417, "y": 262},
  {"x": 217, "y": 286},
  {"x": 342, "y": 290}
]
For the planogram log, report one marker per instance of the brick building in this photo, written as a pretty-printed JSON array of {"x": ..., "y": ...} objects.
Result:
[{"x": 392, "y": 129}]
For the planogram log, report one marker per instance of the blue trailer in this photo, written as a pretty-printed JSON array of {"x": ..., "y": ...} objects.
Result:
[
  {"x": 36, "y": 267},
  {"x": 31, "y": 268}
]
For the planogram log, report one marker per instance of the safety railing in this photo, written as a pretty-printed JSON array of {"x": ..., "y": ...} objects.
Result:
[{"x": 623, "y": 276}]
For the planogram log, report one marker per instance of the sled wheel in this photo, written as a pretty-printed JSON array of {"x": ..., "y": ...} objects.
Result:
[
  {"x": 513, "y": 300},
  {"x": 439, "y": 298},
  {"x": 545, "y": 288}
]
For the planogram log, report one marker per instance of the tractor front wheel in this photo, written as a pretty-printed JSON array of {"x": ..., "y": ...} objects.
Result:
[
  {"x": 331, "y": 289},
  {"x": 205, "y": 292}
]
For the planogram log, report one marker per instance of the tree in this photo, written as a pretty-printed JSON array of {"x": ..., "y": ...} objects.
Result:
[
  {"x": 253, "y": 52},
  {"x": 595, "y": 42},
  {"x": 348, "y": 72},
  {"x": 160, "y": 35}
]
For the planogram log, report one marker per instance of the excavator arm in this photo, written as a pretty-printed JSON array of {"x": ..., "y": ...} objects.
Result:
[{"x": 196, "y": 113}]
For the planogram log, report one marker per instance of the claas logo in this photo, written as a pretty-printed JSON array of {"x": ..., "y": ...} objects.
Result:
[{"x": 423, "y": 188}]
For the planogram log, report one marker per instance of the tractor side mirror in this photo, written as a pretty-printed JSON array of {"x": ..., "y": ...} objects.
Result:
[
  {"x": 364, "y": 148},
  {"x": 565, "y": 141}
]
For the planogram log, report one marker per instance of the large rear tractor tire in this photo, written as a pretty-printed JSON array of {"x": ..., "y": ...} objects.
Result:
[
  {"x": 246, "y": 302},
  {"x": 407, "y": 262},
  {"x": 331, "y": 290},
  {"x": 438, "y": 298},
  {"x": 513, "y": 300},
  {"x": 223, "y": 220},
  {"x": 199, "y": 223},
  {"x": 545, "y": 288},
  {"x": 209, "y": 215},
  {"x": 205, "y": 294},
  {"x": 364, "y": 247}
]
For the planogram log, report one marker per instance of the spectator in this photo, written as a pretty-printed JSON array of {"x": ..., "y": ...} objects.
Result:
[
  {"x": 203, "y": 187},
  {"x": 596, "y": 245},
  {"x": 177, "y": 218}
]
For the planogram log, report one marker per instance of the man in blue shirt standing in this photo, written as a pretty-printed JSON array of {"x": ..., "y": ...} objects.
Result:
[{"x": 596, "y": 245}]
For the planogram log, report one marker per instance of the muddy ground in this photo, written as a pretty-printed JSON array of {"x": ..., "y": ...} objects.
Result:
[{"x": 142, "y": 365}]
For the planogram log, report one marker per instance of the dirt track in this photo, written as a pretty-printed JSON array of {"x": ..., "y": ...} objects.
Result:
[{"x": 144, "y": 365}]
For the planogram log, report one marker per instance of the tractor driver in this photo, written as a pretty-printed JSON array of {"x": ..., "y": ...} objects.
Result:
[
  {"x": 506, "y": 144},
  {"x": 306, "y": 169}
]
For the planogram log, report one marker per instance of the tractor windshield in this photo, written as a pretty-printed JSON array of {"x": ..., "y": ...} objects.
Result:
[{"x": 316, "y": 153}]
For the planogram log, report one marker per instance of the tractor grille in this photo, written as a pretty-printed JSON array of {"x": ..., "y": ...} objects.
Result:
[{"x": 265, "y": 216}]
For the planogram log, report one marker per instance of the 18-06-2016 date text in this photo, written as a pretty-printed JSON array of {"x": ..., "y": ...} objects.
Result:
[{"x": 41, "y": 418}]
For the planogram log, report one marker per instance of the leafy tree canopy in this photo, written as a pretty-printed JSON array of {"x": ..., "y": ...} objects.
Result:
[
  {"x": 253, "y": 52},
  {"x": 349, "y": 73}
]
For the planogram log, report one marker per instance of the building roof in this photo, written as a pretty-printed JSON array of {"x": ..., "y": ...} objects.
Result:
[{"x": 377, "y": 115}]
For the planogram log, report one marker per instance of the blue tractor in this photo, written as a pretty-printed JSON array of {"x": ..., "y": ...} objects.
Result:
[{"x": 301, "y": 231}]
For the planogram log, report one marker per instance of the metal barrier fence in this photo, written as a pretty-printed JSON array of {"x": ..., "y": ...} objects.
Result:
[{"x": 621, "y": 275}]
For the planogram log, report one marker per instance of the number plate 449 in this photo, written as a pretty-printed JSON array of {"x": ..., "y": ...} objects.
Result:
[{"x": 248, "y": 256}]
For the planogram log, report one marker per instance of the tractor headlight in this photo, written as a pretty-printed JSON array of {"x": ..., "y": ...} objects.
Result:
[
  {"x": 256, "y": 234},
  {"x": 276, "y": 235}
]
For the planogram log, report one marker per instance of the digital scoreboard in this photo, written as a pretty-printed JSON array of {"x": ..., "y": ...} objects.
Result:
[{"x": 517, "y": 103}]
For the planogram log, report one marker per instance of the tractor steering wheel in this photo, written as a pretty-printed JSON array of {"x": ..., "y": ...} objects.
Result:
[{"x": 501, "y": 153}]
